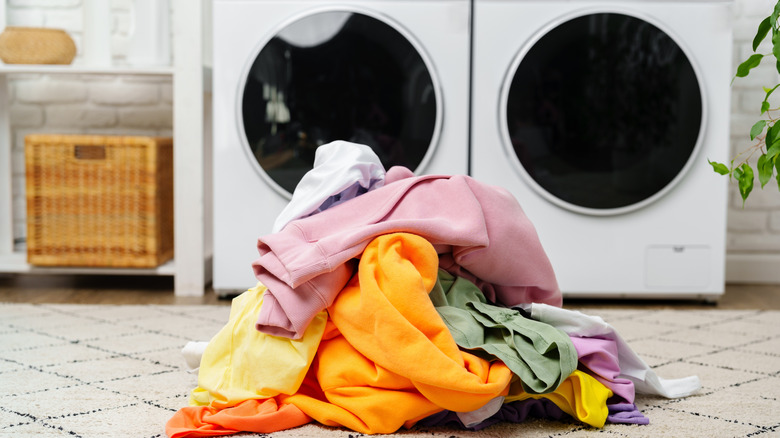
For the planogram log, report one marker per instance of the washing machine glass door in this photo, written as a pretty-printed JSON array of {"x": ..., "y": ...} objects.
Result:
[
  {"x": 337, "y": 75},
  {"x": 604, "y": 112}
]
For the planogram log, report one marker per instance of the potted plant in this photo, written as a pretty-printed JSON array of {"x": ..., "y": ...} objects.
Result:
[{"x": 766, "y": 131}]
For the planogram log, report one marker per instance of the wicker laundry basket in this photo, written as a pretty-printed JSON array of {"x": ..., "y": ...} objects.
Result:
[
  {"x": 102, "y": 201},
  {"x": 36, "y": 45}
]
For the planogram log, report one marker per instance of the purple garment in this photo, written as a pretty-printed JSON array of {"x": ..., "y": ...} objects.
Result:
[
  {"x": 514, "y": 412},
  {"x": 626, "y": 413},
  {"x": 599, "y": 358},
  {"x": 483, "y": 227},
  {"x": 519, "y": 411}
]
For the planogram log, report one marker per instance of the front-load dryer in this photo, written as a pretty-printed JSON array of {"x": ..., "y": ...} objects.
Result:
[
  {"x": 291, "y": 75},
  {"x": 600, "y": 116}
]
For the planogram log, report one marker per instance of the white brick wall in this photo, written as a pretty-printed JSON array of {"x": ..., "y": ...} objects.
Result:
[
  {"x": 91, "y": 104},
  {"x": 48, "y": 90},
  {"x": 774, "y": 221},
  {"x": 756, "y": 227}
]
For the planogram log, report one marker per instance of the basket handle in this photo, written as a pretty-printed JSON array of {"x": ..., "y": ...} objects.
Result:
[{"x": 89, "y": 152}]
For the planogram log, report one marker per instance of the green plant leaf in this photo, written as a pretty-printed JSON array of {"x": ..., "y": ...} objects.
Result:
[
  {"x": 763, "y": 29},
  {"x": 765, "y": 169},
  {"x": 745, "y": 180},
  {"x": 773, "y": 151},
  {"x": 776, "y": 44},
  {"x": 775, "y": 14},
  {"x": 719, "y": 167},
  {"x": 752, "y": 62},
  {"x": 773, "y": 134},
  {"x": 757, "y": 129},
  {"x": 777, "y": 168},
  {"x": 765, "y": 103}
]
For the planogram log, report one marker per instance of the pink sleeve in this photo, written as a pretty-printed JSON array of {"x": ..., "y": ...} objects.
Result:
[
  {"x": 290, "y": 313},
  {"x": 397, "y": 173},
  {"x": 514, "y": 260}
]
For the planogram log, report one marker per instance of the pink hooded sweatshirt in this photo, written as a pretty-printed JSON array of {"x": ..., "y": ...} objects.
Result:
[{"x": 474, "y": 226}]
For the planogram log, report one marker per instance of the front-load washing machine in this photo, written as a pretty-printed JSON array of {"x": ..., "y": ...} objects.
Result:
[
  {"x": 600, "y": 116},
  {"x": 291, "y": 75}
]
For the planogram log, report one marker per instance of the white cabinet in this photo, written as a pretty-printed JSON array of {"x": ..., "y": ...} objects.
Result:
[{"x": 191, "y": 79}]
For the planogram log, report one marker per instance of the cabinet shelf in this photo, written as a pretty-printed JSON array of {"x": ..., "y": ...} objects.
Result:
[
  {"x": 78, "y": 70},
  {"x": 191, "y": 79},
  {"x": 16, "y": 262}
]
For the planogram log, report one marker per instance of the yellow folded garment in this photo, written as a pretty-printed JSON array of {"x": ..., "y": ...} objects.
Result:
[
  {"x": 241, "y": 363},
  {"x": 580, "y": 395}
]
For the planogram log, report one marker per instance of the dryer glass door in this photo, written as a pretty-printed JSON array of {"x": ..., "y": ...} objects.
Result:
[
  {"x": 337, "y": 75},
  {"x": 604, "y": 112}
]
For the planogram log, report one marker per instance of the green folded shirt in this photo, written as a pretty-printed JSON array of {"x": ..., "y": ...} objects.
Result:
[{"x": 541, "y": 355}]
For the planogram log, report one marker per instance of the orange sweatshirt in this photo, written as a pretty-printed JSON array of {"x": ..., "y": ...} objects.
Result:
[{"x": 386, "y": 314}]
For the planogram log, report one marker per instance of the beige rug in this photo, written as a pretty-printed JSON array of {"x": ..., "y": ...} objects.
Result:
[{"x": 116, "y": 371}]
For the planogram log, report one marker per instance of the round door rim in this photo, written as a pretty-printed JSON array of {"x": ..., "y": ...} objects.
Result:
[
  {"x": 506, "y": 142},
  {"x": 384, "y": 18}
]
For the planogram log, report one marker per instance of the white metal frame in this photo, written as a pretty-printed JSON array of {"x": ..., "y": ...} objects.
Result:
[{"x": 504, "y": 96}]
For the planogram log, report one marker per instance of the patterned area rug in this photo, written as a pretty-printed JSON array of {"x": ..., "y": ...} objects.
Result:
[{"x": 105, "y": 371}]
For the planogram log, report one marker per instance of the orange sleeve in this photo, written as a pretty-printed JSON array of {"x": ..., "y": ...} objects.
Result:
[{"x": 260, "y": 416}]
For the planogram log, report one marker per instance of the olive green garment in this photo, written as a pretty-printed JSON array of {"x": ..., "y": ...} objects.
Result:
[{"x": 541, "y": 355}]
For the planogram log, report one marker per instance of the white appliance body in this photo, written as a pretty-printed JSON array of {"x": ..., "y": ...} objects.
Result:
[
  {"x": 669, "y": 242},
  {"x": 255, "y": 44}
]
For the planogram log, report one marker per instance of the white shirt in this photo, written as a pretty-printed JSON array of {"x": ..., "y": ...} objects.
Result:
[
  {"x": 342, "y": 171},
  {"x": 632, "y": 367}
]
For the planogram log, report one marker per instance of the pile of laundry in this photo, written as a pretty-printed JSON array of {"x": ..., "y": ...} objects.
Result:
[{"x": 387, "y": 300}]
